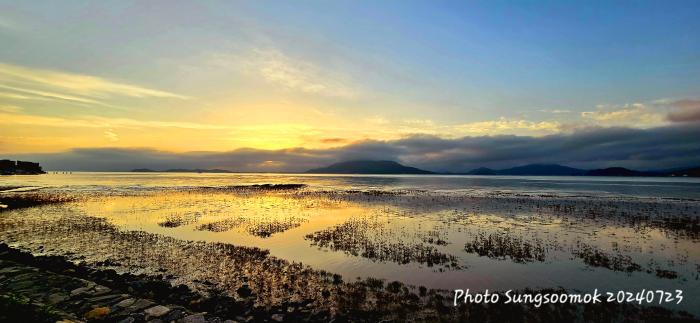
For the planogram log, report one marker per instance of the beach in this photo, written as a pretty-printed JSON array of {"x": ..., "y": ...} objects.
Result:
[{"x": 368, "y": 247}]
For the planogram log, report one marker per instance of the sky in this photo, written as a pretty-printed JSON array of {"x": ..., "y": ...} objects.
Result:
[{"x": 289, "y": 85}]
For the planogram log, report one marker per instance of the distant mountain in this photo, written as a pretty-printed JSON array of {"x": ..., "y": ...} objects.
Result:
[
  {"x": 691, "y": 172},
  {"x": 559, "y": 170},
  {"x": 532, "y": 170},
  {"x": 620, "y": 171},
  {"x": 368, "y": 167},
  {"x": 482, "y": 171},
  {"x": 143, "y": 170},
  {"x": 181, "y": 170}
]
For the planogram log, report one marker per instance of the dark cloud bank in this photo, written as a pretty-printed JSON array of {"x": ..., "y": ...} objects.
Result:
[{"x": 677, "y": 145}]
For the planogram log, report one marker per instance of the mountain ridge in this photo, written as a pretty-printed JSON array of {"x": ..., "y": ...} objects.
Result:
[{"x": 367, "y": 167}]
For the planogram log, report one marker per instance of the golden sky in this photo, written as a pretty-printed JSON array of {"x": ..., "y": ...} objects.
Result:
[{"x": 218, "y": 77}]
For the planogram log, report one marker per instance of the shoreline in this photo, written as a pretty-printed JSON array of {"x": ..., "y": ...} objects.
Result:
[
  {"x": 260, "y": 287},
  {"x": 180, "y": 301}
]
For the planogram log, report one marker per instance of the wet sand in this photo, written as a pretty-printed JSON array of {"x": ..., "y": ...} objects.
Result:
[{"x": 205, "y": 239}]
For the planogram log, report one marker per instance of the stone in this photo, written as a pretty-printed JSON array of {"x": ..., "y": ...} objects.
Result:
[
  {"x": 157, "y": 311},
  {"x": 126, "y": 303},
  {"x": 127, "y": 320},
  {"x": 140, "y": 304},
  {"x": 99, "y": 290},
  {"x": 56, "y": 298},
  {"x": 277, "y": 317},
  {"x": 78, "y": 291},
  {"x": 244, "y": 291},
  {"x": 194, "y": 318},
  {"x": 97, "y": 313}
]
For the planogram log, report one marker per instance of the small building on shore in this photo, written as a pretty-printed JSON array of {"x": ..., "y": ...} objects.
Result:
[{"x": 11, "y": 167}]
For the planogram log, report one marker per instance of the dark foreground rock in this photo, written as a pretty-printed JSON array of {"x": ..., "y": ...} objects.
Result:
[{"x": 51, "y": 289}]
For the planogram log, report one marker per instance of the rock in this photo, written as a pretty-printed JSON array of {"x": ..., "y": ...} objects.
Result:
[
  {"x": 140, "y": 304},
  {"x": 157, "y": 311},
  {"x": 126, "y": 303},
  {"x": 78, "y": 291},
  {"x": 244, "y": 291},
  {"x": 277, "y": 317},
  {"x": 97, "y": 313},
  {"x": 194, "y": 318},
  {"x": 127, "y": 320},
  {"x": 99, "y": 290},
  {"x": 54, "y": 299},
  {"x": 173, "y": 315}
]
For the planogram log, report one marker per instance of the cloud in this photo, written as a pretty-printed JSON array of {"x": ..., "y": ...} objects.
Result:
[
  {"x": 555, "y": 111},
  {"x": 634, "y": 114},
  {"x": 71, "y": 87},
  {"x": 333, "y": 140},
  {"x": 293, "y": 74},
  {"x": 10, "y": 109},
  {"x": 652, "y": 148},
  {"x": 684, "y": 111},
  {"x": 111, "y": 135},
  {"x": 97, "y": 122},
  {"x": 504, "y": 125}
]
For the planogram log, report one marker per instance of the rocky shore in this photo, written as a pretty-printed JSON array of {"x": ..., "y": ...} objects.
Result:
[
  {"x": 52, "y": 289},
  {"x": 61, "y": 266}
]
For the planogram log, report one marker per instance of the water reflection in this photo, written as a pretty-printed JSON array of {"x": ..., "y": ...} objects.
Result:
[{"x": 436, "y": 239}]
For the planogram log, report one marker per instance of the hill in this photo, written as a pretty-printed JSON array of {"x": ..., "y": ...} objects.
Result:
[
  {"x": 620, "y": 171},
  {"x": 531, "y": 170},
  {"x": 692, "y": 172},
  {"x": 368, "y": 167},
  {"x": 542, "y": 170}
]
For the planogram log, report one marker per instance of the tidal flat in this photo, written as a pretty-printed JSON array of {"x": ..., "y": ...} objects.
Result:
[{"x": 314, "y": 250}]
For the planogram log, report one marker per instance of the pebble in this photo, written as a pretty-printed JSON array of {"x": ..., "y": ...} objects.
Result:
[
  {"x": 194, "y": 318},
  {"x": 97, "y": 313},
  {"x": 126, "y": 303},
  {"x": 157, "y": 311}
]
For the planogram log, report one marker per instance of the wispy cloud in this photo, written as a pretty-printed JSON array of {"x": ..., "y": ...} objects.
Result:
[
  {"x": 98, "y": 122},
  {"x": 7, "y": 24},
  {"x": 504, "y": 125},
  {"x": 638, "y": 115},
  {"x": 555, "y": 111},
  {"x": 10, "y": 108},
  {"x": 685, "y": 111},
  {"x": 298, "y": 75},
  {"x": 111, "y": 135},
  {"x": 31, "y": 83}
]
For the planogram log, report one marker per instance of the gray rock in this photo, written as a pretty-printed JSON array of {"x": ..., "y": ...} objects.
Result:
[
  {"x": 54, "y": 299},
  {"x": 127, "y": 320},
  {"x": 194, "y": 318},
  {"x": 99, "y": 290},
  {"x": 277, "y": 317},
  {"x": 157, "y": 311},
  {"x": 126, "y": 303},
  {"x": 140, "y": 304},
  {"x": 78, "y": 291}
]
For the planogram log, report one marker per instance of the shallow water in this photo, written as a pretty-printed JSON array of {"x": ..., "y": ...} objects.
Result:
[{"x": 446, "y": 232}]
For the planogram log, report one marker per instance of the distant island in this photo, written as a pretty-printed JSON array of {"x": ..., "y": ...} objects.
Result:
[
  {"x": 559, "y": 170},
  {"x": 181, "y": 170},
  {"x": 11, "y": 167},
  {"x": 392, "y": 167},
  {"x": 368, "y": 167}
]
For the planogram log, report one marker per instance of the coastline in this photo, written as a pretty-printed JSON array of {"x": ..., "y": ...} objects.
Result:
[{"x": 256, "y": 286}]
